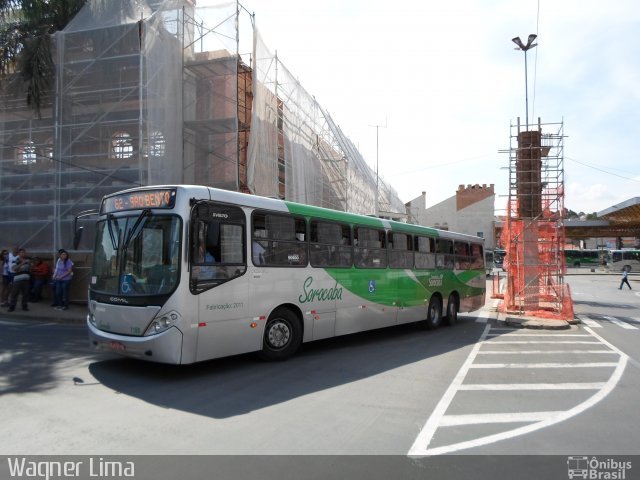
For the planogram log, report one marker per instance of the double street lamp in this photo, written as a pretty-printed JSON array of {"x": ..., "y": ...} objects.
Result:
[{"x": 524, "y": 48}]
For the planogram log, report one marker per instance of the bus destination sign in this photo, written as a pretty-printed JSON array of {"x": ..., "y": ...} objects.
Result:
[{"x": 160, "y": 198}]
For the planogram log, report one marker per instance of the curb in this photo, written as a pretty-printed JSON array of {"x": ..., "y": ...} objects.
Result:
[
  {"x": 538, "y": 323},
  {"x": 43, "y": 315}
]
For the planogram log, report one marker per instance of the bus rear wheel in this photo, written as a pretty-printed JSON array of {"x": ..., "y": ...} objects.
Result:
[
  {"x": 282, "y": 335},
  {"x": 434, "y": 313},
  {"x": 452, "y": 310}
]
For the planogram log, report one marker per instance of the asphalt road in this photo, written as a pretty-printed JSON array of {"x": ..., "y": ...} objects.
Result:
[{"x": 478, "y": 388}]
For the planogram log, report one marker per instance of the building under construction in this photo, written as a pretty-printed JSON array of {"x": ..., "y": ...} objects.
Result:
[
  {"x": 533, "y": 234},
  {"x": 164, "y": 92}
]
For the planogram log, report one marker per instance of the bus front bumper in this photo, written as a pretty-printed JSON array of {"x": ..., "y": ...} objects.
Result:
[{"x": 165, "y": 347}]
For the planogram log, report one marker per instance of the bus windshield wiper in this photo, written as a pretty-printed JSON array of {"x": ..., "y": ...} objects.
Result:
[
  {"x": 137, "y": 227},
  {"x": 114, "y": 240}
]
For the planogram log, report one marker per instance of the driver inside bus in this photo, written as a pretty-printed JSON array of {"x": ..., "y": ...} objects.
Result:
[{"x": 206, "y": 271}]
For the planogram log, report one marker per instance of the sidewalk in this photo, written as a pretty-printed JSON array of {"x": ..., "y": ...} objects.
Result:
[{"x": 44, "y": 312}]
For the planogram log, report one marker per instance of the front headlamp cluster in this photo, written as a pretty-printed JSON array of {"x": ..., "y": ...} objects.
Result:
[{"x": 162, "y": 323}]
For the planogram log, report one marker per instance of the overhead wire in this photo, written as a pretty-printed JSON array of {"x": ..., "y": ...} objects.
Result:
[{"x": 604, "y": 171}]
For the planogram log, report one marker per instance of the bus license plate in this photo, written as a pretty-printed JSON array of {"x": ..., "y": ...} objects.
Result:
[{"x": 117, "y": 346}]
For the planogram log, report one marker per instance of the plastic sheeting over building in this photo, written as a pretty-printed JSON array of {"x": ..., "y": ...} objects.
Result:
[{"x": 159, "y": 92}]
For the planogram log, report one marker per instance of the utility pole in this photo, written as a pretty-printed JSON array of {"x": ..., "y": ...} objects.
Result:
[{"x": 377, "y": 204}]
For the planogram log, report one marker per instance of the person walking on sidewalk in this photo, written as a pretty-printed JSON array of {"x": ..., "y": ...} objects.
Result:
[
  {"x": 21, "y": 269},
  {"x": 62, "y": 276},
  {"x": 624, "y": 279}
]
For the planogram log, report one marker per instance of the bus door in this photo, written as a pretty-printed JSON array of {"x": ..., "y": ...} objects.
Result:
[{"x": 218, "y": 282}]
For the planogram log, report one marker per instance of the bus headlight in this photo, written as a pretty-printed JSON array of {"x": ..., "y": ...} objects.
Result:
[
  {"x": 92, "y": 319},
  {"x": 162, "y": 323}
]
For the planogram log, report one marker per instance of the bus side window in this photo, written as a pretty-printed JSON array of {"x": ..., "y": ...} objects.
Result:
[
  {"x": 445, "y": 257},
  {"x": 330, "y": 244},
  {"x": 462, "y": 255},
  {"x": 279, "y": 240},
  {"x": 425, "y": 252},
  {"x": 477, "y": 257},
  {"x": 371, "y": 251},
  {"x": 400, "y": 250}
]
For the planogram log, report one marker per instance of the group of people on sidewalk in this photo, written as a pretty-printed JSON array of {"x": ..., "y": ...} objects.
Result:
[{"x": 25, "y": 278}]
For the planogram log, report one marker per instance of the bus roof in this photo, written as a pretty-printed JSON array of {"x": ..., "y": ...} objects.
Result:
[{"x": 255, "y": 201}]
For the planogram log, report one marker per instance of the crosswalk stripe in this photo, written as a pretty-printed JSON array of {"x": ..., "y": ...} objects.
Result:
[
  {"x": 589, "y": 322},
  {"x": 532, "y": 386},
  {"x": 474, "y": 419},
  {"x": 544, "y": 365},
  {"x": 518, "y": 352},
  {"x": 620, "y": 323},
  {"x": 503, "y": 335}
]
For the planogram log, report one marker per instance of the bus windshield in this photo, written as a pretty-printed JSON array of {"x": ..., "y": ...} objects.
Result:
[{"x": 137, "y": 254}]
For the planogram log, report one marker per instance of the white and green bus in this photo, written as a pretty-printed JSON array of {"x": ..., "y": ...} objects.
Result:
[
  {"x": 626, "y": 259},
  {"x": 183, "y": 274}
]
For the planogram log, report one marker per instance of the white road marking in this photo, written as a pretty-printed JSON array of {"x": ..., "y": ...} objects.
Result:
[
  {"x": 457, "y": 420},
  {"x": 522, "y": 342},
  {"x": 503, "y": 335},
  {"x": 589, "y": 322},
  {"x": 518, "y": 352},
  {"x": 532, "y": 386},
  {"x": 423, "y": 439},
  {"x": 544, "y": 365},
  {"x": 10, "y": 323},
  {"x": 620, "y": 323},
  {"x": 536, "y": 420}
]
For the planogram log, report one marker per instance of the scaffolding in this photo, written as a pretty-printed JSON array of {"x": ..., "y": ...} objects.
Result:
[
  {"x": 165, "y": 92},
  {"x": 533, "y": 235}
]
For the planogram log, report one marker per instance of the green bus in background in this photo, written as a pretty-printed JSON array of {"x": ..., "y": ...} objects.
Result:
[{"x": 585, "y": 257}]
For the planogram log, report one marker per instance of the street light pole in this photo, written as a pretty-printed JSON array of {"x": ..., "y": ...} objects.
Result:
[{"x": 524, "y": 48}]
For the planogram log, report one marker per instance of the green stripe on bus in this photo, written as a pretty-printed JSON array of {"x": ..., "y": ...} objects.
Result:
[
  {"x": 394, "y": 287},
  {"x": 327, "y": 214}
]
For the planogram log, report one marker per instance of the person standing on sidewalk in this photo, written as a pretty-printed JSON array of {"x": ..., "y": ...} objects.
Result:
[
  {"x": 40, "y": 273},
  {"x": 62, "y": 276},
  {"x": 625, "y": 279},
  {"x": 7, "y": 275},
  {"x": 21, "y": 269}
]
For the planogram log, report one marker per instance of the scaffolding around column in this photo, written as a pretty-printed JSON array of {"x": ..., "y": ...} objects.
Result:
[{"x": 533, "y": 234}]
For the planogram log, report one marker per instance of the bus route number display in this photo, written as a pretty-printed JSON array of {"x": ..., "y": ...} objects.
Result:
[{"x": 161, "y": 198}]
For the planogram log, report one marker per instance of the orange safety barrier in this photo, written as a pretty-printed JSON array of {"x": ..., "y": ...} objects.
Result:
[{"x": 535, "y": 266}]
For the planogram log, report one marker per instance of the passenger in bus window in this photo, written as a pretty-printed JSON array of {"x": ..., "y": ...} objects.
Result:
[
  {"x": 207, "y": 271},
  {"x": 257, "y": 252}
]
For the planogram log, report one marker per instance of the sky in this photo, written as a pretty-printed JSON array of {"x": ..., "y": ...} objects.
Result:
[{"x": 444, "y": 82}]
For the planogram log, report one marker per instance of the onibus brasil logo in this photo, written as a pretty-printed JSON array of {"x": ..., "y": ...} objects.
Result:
[{"x": 595, "y": 468}]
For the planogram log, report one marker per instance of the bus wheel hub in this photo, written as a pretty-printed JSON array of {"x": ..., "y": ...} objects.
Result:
[{"x": 279, "y": 335}]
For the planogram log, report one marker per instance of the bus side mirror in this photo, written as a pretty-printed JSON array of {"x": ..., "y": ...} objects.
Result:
[{"x": 77, "y": 231}]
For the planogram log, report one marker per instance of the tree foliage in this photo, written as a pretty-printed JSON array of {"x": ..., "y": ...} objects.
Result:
[{"x": 26, "y": 26}]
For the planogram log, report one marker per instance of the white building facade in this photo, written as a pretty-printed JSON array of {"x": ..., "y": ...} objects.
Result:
[{"x": 470, "y": 210}]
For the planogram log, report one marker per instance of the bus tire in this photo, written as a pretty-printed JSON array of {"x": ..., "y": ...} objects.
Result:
[
  {"x": 282, "y": 335},
  {"x": 434, "y": 313},
  {"x": 452, "y": 310}
]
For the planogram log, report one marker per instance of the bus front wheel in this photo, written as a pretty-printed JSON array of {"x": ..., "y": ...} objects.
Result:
[
  {"x": 434, "y": 313},
  {"x": 282, "y": 335}
]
